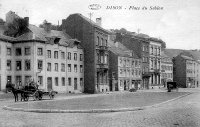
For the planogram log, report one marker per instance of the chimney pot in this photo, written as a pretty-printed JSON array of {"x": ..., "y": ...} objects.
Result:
[
  {"x": 98, "y": 21},
  {"x": 27, "y": 20},
  {"x": 47, "y": 27}
]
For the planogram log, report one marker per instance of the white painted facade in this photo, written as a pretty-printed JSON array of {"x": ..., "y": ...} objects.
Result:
[
  {"x": 58, "y": 75},
  {"x": 155, "y": 63}
]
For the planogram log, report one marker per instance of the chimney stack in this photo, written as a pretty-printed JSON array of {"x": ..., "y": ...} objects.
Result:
[
  {"x": 47, "y": 27},
  {"x": 98, "y": 21},
  {"x": 27, "y": 20}
]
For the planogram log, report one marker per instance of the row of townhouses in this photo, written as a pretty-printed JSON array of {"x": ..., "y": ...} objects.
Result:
[{"x": 84, "y": 57}]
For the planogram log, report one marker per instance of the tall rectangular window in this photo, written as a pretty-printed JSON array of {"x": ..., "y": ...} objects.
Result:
[
  {"x": 69, "y": 68},
  {"x": 69, "y": 56},
  {"x": 56, "y": 81},
  {"x": 75, "y": 68},
  {"x": 18, "y": 65},
  {"x": 40, "y": 63},
  {"x": 81, "y": 81},
  {"x": 40, "y": 80},
  {"x": 75, "y": 84},
  {"x": 151, "y": 49},
  {"x": 18, "y": 51},
  {"x": 81, "y": 57},
  {"x": 9, "y": 52},
  {"x": 56, "y": 66},
  {"x": 27, "y": 65},
  {"x": 39, "y": 52},
  {"x": 18, "y": 79},
  {"x": 63, "y": 81},
  {"x": 48, "y": 53},
  {"x": 48, "y": 66},
  {"x": 56, "y": 54},
  {"x": 75, "y": 56},
  {"x": 101, "y": 43},
  {"x": 63, "y": 67},
  {"x": 63, "y": 55},
  {"x": 102, "y": 58},
  {"x": 106, "y": 59},
  {"x": 81, "y": 68},
  {"x": 9, "y": 65},
  {"x": 69, "y": 81},
  {"x": 97, "y": 43},
  {"x": 27, "y": 51}
]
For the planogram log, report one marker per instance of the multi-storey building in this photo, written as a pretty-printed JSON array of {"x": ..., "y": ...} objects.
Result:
[
  {"x": 41, "y": 55},
  {"x": 139, "y": 43},
  {"x": 184, "y": 71},
  {"x": 75, "y": 68},
  {"x": 166, "y": 69},
  {"x": 94, "y": 40},
  {"x": 124, "y": 67},
  {"x": 154, "y": 61}
]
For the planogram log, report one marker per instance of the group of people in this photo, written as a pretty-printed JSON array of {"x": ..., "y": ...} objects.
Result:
[{"x": 20, "y": 86}]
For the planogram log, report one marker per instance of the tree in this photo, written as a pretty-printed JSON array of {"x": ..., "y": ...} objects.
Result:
[
  {"x": 1, "y": 20},
  {"x": 163, "y": 45},
  {"x": 16, "y": 28},
  {"x": 53, "y": 27}
]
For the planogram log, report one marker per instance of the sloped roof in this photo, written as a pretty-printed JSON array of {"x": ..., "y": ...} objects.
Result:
[
  {"x": 91, "y": 22},
  {"x": 7, "y": 38},
  {"x": 72, "y": 42},
  {"x": 121, "y": 49},
  {"x": 36, "y": 33},
  {"x": 119, "y": 52},
  {"x": 186, "y": 57}
]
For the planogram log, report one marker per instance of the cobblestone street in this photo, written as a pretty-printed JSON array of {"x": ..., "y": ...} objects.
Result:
[{"x": 184, "y": 112}]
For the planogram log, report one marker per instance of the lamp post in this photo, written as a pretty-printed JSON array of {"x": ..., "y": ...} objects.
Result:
[{"x": 37, "y": 75}]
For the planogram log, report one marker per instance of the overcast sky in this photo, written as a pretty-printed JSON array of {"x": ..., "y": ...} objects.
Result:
[{"x": 178, "y": 24}]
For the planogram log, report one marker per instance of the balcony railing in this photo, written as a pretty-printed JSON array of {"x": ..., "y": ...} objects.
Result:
[
  {"x": 102, "y": 66},
  {"x": 103, "y": 48},
  {"x": 146, "y": 74}
]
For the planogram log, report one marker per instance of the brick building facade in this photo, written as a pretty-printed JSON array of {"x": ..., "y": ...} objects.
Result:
[
  {"x": 94, "y": 40},
  {"x": 184, "y": 71}
]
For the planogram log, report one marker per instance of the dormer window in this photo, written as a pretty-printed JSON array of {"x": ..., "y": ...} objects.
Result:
[{"x": 56, "y": 40}]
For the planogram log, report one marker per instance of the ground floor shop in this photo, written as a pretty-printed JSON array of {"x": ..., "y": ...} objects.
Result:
[{"x": 126, "y": 84}]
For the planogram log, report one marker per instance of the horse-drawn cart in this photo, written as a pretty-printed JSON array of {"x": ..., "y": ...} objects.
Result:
[{"x": 29, "y": 91}]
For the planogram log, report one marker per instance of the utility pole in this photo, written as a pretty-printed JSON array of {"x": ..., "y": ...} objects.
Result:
[
  {"x": 90, "y": 15},
  {"x": 138, "y": 30}
]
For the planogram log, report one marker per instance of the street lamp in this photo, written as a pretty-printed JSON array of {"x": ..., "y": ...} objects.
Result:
[{"x": 37, "y": 75}]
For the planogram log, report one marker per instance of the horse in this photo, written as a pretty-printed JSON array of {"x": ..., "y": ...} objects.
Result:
[{"x": 11, "y": 88}]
